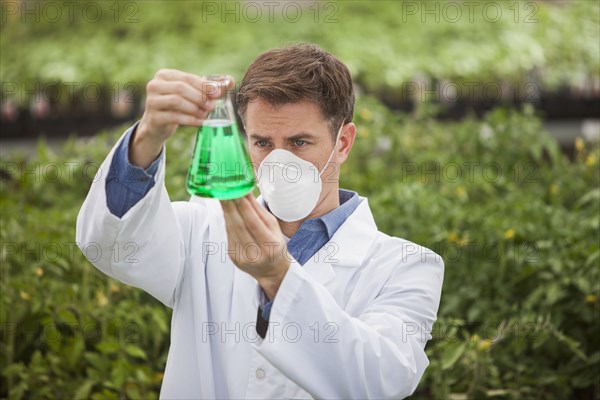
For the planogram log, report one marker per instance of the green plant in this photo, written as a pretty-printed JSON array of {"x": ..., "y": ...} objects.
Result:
[
  {"x": 518, "y": 231},
  {"x": 517, "y": 225}
]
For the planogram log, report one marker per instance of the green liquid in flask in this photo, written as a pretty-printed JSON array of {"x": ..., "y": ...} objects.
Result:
[{"x": 220, "y": 166}]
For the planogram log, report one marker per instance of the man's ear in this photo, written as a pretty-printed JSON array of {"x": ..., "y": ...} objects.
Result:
[{"x": 346, "y": 142}]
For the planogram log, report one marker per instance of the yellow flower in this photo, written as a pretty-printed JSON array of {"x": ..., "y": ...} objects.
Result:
[
  {"x": 590, "y": 161},
  {"x": 484, "y": 345},
  {"x": 460, "y": 191},
  {"x": 24, "y": 295},
  {"x": 579, "y": 144},
  {"x": 114, "y": 287},
  {"x": 553, "y": 188},
  {"x": 453, "y": 237},
  {"x": 101, "y": 299},
  {"x": 590, "y": 298},
  {"x": 365, "y": 132},
  {"x": 366, "y": 114},
  {"x": 39, "y": 272},
  {"x": 509, "y": 234}
]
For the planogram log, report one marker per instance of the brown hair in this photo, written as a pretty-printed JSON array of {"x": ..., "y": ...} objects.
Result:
[{"x": 302, "y": 72}]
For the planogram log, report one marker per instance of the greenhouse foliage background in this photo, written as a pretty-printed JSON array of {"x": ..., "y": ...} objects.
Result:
[{"x": 515, "y": 219}]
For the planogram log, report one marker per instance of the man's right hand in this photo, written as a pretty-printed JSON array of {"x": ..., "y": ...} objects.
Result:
[{"x": 173, "y": 98}]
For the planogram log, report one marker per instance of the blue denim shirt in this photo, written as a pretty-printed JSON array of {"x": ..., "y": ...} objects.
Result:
[{"x": 127, "y": 184}]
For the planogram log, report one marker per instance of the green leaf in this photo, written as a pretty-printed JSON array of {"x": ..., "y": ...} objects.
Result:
[
  {"x": 119, "y": 373},
  {"x": 452, "y": 354},
  {"x": 592, "y": 258},
  {"x": 83, "y": 392},
  {"x": 591, "y": 196},
  {"x": 75, "y": 348},
  {"x": 107, "y": 347},
  {"x": 571, "y": 343},
  {"x": 135, "y": 351},
  {"x": 133, "y": 391},
  {"x": 18, "y": 391},
  {"x": 67, "y": 317},
  {"x": 159, "y": 319},
  {"x": 106, "y": 395},
  {"x": 13, "y": 370},
  {"x": 100, "y": 363}
]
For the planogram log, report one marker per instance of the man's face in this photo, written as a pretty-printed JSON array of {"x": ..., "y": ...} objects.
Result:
[
  {"x": 298, "y": 128},
  {"x": 301, "y": 129}
]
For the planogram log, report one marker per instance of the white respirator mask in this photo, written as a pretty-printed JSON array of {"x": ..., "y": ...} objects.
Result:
[{"x": 290, "y": 186}]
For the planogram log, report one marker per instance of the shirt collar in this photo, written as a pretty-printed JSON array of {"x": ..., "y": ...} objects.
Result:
[{"x": 335, "y": 218}]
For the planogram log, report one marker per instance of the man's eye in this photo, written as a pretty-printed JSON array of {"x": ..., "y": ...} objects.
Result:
[
  {"x": 299, "y": 143},
  {"x": 261, "y": 143}
]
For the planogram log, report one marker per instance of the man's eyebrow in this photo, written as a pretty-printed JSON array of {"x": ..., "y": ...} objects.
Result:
[
  {"x": 297, "y": 136},
  {"x": 301, "y": 136},
  {"x": 256, "y": 136}
]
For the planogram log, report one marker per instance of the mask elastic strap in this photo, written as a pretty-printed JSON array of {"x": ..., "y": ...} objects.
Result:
[{"x": 332, "y": 151}]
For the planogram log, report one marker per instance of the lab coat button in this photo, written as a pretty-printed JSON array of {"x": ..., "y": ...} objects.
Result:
[{"x": 260, "y": 374}]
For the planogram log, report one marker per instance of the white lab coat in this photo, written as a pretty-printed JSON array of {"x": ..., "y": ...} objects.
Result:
[{"x": 351, "y": 323}]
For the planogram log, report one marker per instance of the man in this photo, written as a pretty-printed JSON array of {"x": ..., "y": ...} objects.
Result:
[{"x": 298, "y": 296}]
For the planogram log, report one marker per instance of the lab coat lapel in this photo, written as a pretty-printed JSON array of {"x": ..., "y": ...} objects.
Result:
[
  {"x": 347, "y": 248},
  {"x": 320, "y": 268},
  {"x": 354, "y": 237}
]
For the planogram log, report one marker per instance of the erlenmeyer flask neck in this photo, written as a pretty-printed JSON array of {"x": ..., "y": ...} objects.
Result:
[
  {"x": 220, "y": 111},
  {"x": 223, "y": 110}
]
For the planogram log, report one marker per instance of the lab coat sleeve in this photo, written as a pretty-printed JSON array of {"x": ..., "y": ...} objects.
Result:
[
  {"x": 144, "y": 248},
  {"x": 377, "y": 354}
]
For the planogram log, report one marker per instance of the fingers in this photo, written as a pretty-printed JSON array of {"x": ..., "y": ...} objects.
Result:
[
  {"x": 209, "y": 87},
  {"x": 175, "y": 103},
  {"x": 256, "y": 246},
  {"x": 267, "y": 218},
  {"x": 231, "y": 229},
  {"x": 229, "y": 82},
  {"x": 246, "y": 224},
  {"x": 195, "y": 81},
  {"x": 186, "y": 92},
  {"x": 182, "y": 93},
  {"x": 254, "y": 223},
  {"x": 235, "y": 225},
  {"x": 247, "y": 229},
  {"x": 176, "y": 118}
]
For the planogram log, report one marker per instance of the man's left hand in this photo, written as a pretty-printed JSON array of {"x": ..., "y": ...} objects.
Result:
[{"x": 255, "y": 242}]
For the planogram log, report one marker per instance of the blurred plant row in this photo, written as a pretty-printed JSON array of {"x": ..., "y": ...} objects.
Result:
[
  {"x": 515, "y": 221},
  {"x": 385, "y": 43}
]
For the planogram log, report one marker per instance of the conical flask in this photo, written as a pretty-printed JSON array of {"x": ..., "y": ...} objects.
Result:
[{"x": 220, "y": 166}]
